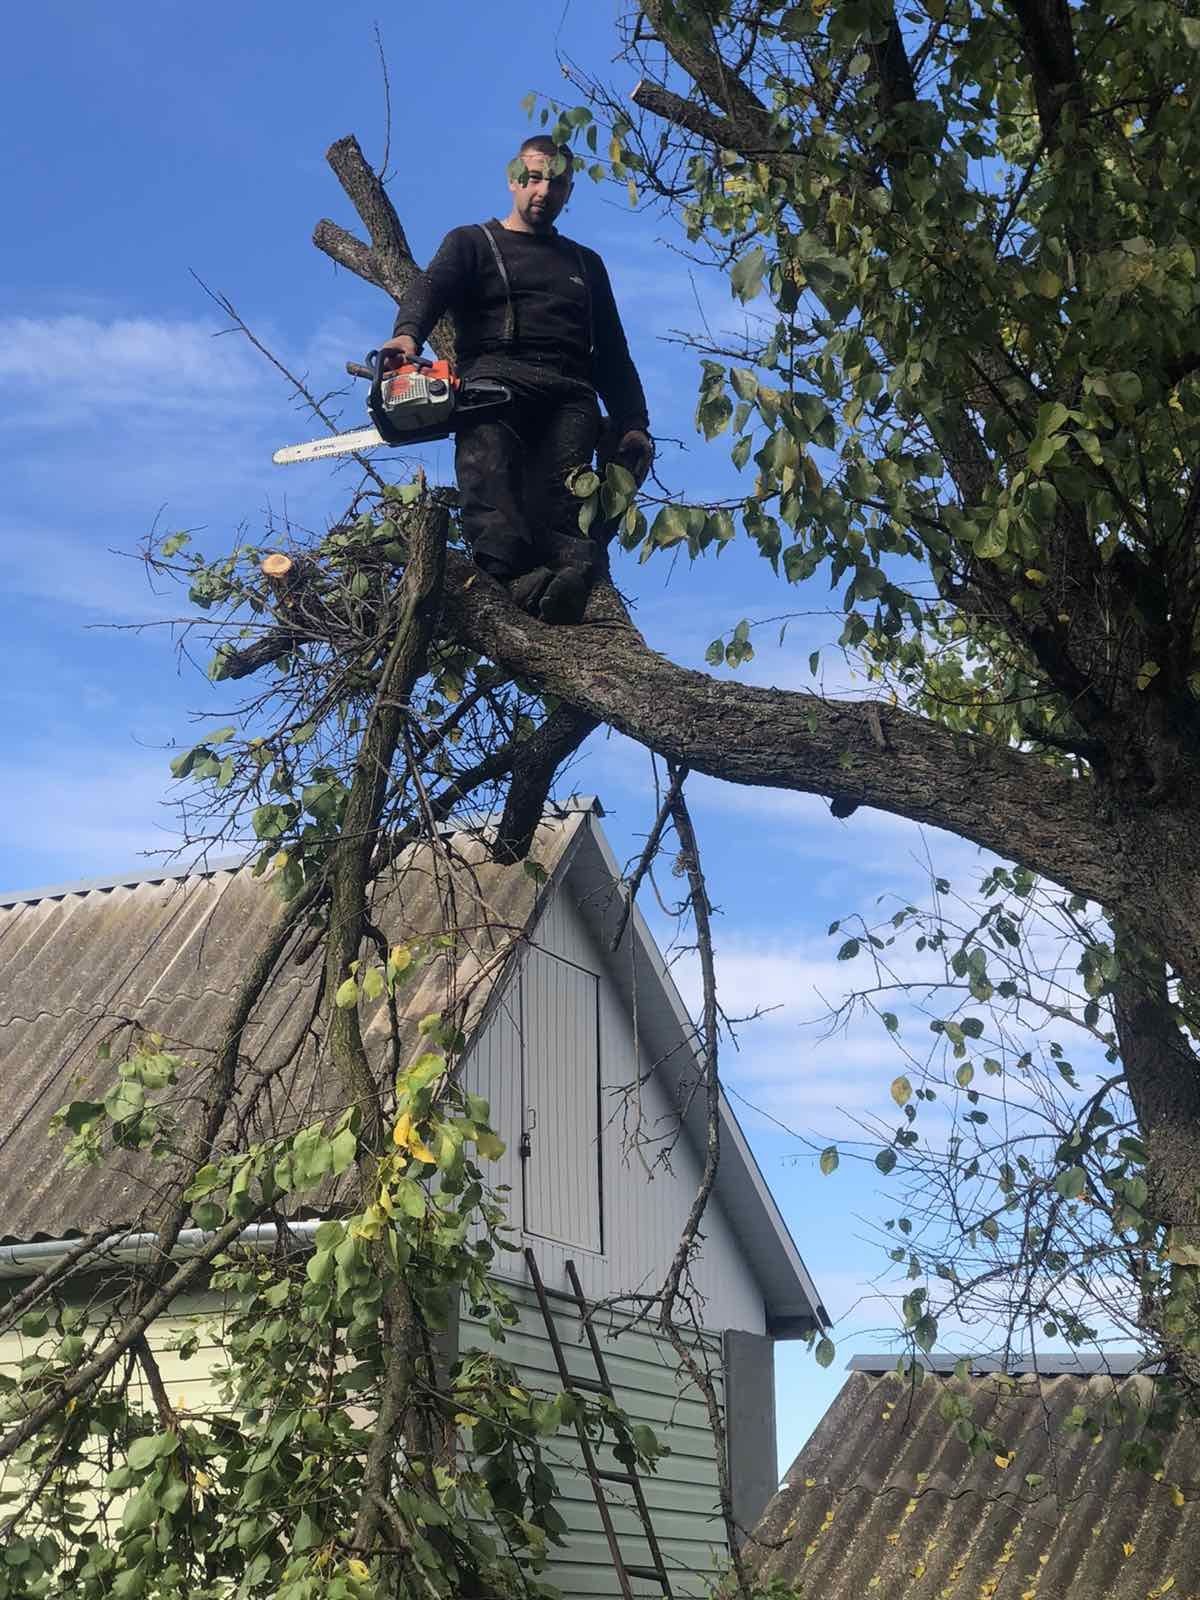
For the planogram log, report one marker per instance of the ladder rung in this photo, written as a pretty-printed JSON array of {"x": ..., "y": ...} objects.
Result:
[
  {"x": 597, "y": 1385},
  {"x": 616, "y": 1477},
  {"x": 655, "y": 1573}
]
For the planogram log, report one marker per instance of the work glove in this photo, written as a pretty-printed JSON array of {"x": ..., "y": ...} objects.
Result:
[{"x": 636, "y": 453}]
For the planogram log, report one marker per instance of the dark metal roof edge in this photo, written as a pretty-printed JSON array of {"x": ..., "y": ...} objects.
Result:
[
  {"x": 1050, "y": 1364},
  {"x": 124, "y": 880},
  {"x": 472, "y": 822}
]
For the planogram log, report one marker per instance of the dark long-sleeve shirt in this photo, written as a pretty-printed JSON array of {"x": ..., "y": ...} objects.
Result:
[{"x": 563, "y": 314}]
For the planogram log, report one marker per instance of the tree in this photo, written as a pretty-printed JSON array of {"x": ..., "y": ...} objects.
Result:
[
  {"x": 971, "y": 231},
  {"x": 968, "y": 234}
]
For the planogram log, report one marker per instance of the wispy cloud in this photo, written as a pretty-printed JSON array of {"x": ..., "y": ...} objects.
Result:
[{"x": 90, "y": 806}]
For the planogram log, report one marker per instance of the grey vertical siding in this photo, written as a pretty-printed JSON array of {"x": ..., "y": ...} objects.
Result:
[
  {"x": 682, "y": 1494},
  {"x": 562, "y": 1092},
  {"x": 644, "y": 1200},
  {"x": 493, "y": 1070},
  {"x": 644, "y": 1210}
]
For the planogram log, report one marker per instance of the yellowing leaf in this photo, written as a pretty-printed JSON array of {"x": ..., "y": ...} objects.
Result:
[
  {"x": 358, "y": 1569},
  {"x": 347, "y": 995},
  {"x": 901, "y": 1090},
  {"x": 1005, "y": 1461},
  {"x": 400, "y": 958},
  {"x": 1147, "y": 672},
  {"x": 403, "y": 1130},
  {"x": 1178, "y": 1498},
  {"x": 1128, "y": 1549},
  {"x": 1048, "y": 284},
  {"x": 1033, "y": 576}
]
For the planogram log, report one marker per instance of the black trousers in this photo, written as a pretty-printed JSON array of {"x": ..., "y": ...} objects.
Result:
[{"x": 512, "y": 471}]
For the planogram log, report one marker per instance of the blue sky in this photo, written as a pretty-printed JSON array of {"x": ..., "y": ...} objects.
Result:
[{"x": 151, "y": 141}]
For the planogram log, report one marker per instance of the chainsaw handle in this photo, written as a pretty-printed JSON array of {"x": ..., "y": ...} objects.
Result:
[{"x": 376, "y": 360}]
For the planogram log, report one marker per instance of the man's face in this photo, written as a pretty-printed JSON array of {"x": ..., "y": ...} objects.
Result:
[{"x": 539, "y": 191}]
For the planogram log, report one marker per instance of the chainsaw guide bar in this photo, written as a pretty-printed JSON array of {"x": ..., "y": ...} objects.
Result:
[{"x": 337, "y": 444}]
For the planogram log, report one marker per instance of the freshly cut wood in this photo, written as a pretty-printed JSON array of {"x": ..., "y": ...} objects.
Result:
[{"x": 277, "y": 566}]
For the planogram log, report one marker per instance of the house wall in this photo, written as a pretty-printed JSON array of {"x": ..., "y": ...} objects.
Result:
[
  {"x": 190, "y": 1383},
  {"x": 682, "y": 1495},
  {"x": 644, "y": 1203}
]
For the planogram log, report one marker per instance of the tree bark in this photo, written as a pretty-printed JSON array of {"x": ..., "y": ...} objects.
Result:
[{"x": 1163, "y": 1078}]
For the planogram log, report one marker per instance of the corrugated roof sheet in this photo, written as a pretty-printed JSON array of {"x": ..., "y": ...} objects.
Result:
[
  {"x": 86, "y": 965},
  {"x": 885, "y": 1500}
]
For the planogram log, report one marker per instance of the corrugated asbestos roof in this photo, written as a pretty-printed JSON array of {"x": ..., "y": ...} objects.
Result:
[
  {"x": 85, "y": 964},
  {"x": 885, "y": 1500}
]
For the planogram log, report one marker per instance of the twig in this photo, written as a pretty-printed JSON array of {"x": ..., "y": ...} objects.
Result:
[
  {"x": 298, "y": 384},
  {"x": 679, "y": 777}
]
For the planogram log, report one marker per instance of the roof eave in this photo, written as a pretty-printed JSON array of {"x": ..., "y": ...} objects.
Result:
[{"x": 793, "y": 1308}]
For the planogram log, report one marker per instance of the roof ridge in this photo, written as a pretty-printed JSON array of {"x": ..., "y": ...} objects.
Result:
[{"x": 470, "y": 822}]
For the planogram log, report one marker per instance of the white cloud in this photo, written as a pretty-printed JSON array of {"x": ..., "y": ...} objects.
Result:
[{"x": 92, "y": 808}]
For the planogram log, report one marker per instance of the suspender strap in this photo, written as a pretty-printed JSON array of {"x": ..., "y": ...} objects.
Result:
[
  {"x": 587, "y": 289},
  {"x": 510, "y": 314}
]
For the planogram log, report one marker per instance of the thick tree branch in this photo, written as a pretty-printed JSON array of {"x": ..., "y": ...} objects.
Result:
[
  {"x": 388, "y": 261},
  {"x": 786, "y": 739},
  {"x": 1049, "y": 48},
  {"x": 535, "y": 763}
]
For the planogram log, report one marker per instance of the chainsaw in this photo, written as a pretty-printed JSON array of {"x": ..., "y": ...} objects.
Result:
[{"x": 411, "y": 401}]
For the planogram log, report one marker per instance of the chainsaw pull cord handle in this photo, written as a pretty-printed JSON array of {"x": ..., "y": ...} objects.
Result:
[{"x": 379, "y": 360}]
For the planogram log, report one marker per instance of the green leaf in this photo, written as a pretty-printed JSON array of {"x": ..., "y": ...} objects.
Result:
[
  {"x": 886, "y": 1160},
  {"x": 747, "y": 276},
  {"x": 410, "y": 1198},
  {"x": 825, "y": 1352},
  {"x": 141, "y": 1511},
  {"x": 144, "y": 1452},
  {"x": 1071, "y": 1183},
  {"x": 849, "y": 950},
  {"x": 343, "y": 1147},
  {"x": 925, "y": 1333},
  {"x": 991, "y": 542},
  {"x": 829, "y": 1159},
  {"x": 347, "y": 995},
  {"x": 489, "y": 1145},
  {"x": 126, "y": 1101},
  {"x": 1147, "y": 672}
]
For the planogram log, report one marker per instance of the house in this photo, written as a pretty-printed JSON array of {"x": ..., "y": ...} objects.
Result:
[
  {"x": 886, "y": 1499},
  {"x": 586, "y": 1056}
]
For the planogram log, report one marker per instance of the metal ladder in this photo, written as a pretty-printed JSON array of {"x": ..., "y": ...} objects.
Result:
[{"x": 657, "y": 1573}]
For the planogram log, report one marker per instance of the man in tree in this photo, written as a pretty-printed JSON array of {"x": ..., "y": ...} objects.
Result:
[{"x": 535, "y": 310}]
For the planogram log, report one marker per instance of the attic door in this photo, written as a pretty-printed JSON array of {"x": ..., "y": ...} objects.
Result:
[{"x": 561, "y": 1148}]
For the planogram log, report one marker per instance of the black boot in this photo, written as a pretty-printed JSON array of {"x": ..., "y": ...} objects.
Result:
[
  {"x": 574, "y": 565},
  {"x": 529, "y": 588}
]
